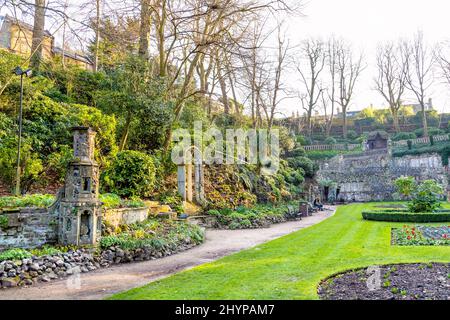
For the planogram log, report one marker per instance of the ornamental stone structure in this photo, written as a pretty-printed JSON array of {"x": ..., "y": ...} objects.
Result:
[
  {"x": 79, "y": 210},
  {"x": 370, "y": 175}
]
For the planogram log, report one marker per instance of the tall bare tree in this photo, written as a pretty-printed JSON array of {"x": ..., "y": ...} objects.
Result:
[
  {"x": 419, "y": 61},
  {"x": 349, "y": 68},
  {"x": 97, "y": 33},
  {"x": 145, "y": 28},
  {"x": 442, "y": 55},
  {"x": 391, "y": 79},
  {"x": 38, "y": 34},
  {"x": 314, "y": 53},
  {"x": 275, "y": 86},
  {"x": 332, "y": 49}
]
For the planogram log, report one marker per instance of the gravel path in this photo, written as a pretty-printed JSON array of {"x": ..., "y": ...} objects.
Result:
[{"x": 105, "y": 282}]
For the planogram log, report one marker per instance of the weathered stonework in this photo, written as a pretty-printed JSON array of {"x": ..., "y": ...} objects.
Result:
[
  {"x": 121, "y": 216},
  {"x": 369, "y": 176},
  {"x": 28, "y": 228},
  {"x": 26, "y": 272},
  {"x": 74, "y": 219},
  {"x": 79, "y": 210}
]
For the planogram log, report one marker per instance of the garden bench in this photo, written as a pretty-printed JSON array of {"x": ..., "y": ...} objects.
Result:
[{"x": 292, "y": 213}]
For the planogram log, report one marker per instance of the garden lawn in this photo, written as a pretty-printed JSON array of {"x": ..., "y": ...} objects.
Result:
[{"x": 291, "y": 267}]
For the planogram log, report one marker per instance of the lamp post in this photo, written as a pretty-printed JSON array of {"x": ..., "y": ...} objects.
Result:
[{"x": 19, "y": 72}]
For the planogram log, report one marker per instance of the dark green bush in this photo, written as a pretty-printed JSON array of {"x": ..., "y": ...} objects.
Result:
[
  {"x": 438, "y": 147},
  {"x": 330, "y": 140},
  {"x": 303, "y": 140},
  {"x": 352, "y": 134},
  {"x": 409, "y": 143},
  {"x": 304, "y": 163},
  {"x": 406, "y": 216},
  {"x": 297, "y": 152},
  {"x": 403, "y": 136},
  {"x": 426, "y": 197},
  {"x": 132, "y": 174},
  {"x": 431, "y": 131}
]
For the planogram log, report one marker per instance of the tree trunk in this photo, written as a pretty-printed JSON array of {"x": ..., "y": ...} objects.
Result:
[
  {"x": 126, "y": 131},
  {"x": 344, "y": 127},
  {"x": 38, "y": 34},
  {"x": 424, "y": 121},
  {"x": 161, "y": 40},
  {"x": 233, "y": 91},
  {"x": 309, "y": 116},
  {"x": 145, "y": 29},
  {"x": 223, "y": 89},
  {"x": 97, "y": 35},
  {"x": 395, "y": 119}
]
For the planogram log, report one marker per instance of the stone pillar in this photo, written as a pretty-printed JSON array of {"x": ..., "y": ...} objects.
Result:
[
  {"x": 189, "y": 182},
  {"x": 199, "y": 187},
  {"x": 181, "y": 177},
  {"x": 79, "y": 210}
]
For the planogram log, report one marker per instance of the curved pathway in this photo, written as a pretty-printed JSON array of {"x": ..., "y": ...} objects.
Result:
[{"x": 105, "y": 282}]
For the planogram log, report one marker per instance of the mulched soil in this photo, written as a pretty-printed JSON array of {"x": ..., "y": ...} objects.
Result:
[{"x": 395, "y": 282}]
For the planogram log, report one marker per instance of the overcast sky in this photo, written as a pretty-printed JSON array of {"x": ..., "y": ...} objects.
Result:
[{"x": 365, "y": 23}]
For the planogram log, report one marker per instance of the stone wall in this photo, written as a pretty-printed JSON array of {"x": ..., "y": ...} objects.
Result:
[
  {"x": 27, "y": 228},
  {"x": 116, "y": 217},
  {"x": 26, "y": 272},
  {"x": 369, "y": 176},
  {"x": 33, "y": 227}
]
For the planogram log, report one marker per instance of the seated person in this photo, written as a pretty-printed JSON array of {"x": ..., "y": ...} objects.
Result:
[{"x": 318, "y": 204}]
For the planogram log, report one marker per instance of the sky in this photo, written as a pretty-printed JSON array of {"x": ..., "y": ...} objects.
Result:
[{"x": 365, "y": 23}]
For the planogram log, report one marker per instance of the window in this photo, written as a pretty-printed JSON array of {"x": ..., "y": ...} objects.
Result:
[{"x": 86, "y": 184}]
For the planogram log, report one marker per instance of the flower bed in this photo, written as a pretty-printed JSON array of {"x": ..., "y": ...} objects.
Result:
[
  {"x": 405, "y": 216},
  {"x": 421, "y": 236},
  {"x": 392, "y": 282},
  {"x": 147, "y": 240},
  {"x": 260, "y": 216}
]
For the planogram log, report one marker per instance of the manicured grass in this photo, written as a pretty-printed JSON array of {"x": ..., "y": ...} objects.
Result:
[{"x": 291, "y": 267}]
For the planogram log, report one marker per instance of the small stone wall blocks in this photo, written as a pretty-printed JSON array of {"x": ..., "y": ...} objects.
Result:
[
  {"x": 28, "y": 228},
  {"x": 370, "y": 176},
  {"x": 117, "y": 217}
]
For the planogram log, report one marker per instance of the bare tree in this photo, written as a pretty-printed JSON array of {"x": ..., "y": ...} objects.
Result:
[
  {"x": 252, "y": 68},
  {"x": 419, "y": 61},
  {"x": 349, "y": 68},
  {"x": 275, "y": 85},
  {"x": 221, "y": 74},
  {"x": 145, "y": 28},
  {"x": 443, "y": 59},
  {"x": 313, "y": 51},
  {"x": 332, "y": 49},
  {"x": 38, "y": 34},
  {"x": 391, "y": 79},
  {"x": 97, "y": 33}
]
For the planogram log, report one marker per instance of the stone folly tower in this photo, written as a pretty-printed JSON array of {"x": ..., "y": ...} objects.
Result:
[{"x": 80, "y": 209}]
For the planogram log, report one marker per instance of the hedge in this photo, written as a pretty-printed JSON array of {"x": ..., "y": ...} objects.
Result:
[{"x": 443, "y": 216}]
